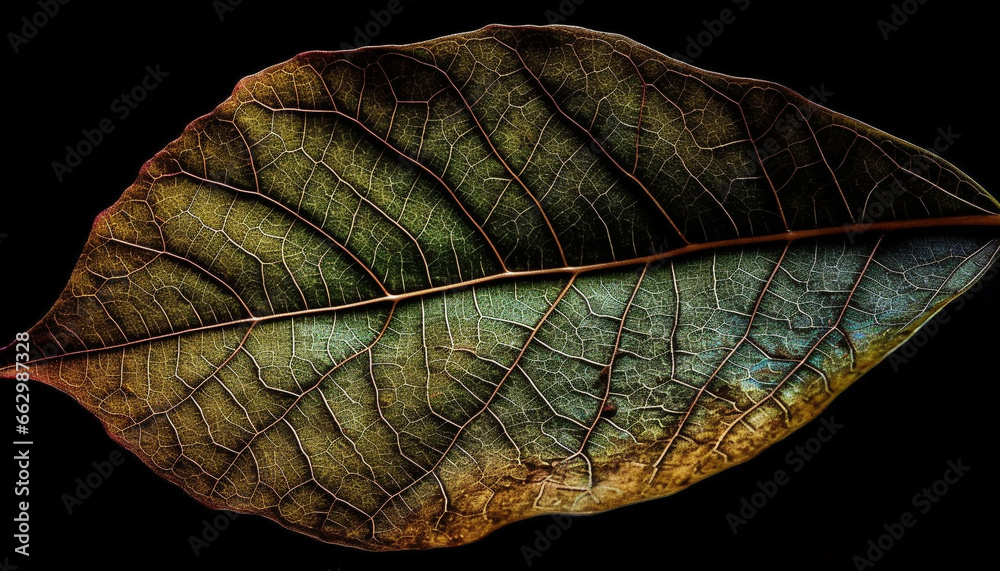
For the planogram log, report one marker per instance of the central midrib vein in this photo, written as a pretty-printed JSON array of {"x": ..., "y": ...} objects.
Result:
[{"x": 791, "y": 236}]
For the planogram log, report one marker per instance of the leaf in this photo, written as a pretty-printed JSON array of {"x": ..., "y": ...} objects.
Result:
[{"x": 399, "y": 297}]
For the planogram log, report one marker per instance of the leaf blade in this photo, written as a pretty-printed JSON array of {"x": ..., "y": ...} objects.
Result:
[{"x": 250, "y": 208}]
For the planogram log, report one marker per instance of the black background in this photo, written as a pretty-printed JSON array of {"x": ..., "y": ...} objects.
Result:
[{"x": 899, "y": 426}]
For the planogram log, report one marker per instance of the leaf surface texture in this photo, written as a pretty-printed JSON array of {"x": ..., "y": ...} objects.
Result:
[{"x": 398, "y": 297}]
